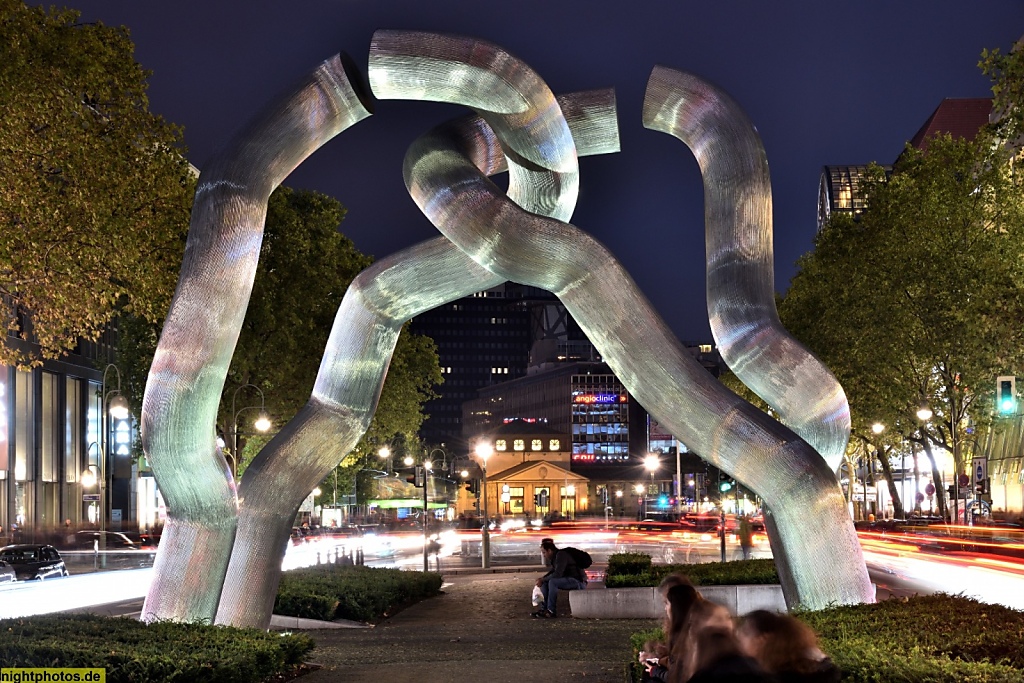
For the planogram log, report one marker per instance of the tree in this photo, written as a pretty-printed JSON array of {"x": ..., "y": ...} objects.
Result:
[
  {"x": 305, "y": 267},
  {"x": 89, "y": 181},
  {"x": 918, "y": 302}
]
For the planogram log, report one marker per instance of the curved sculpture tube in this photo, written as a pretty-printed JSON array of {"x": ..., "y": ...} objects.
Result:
[
  {"x": 186, "y": 379},
  {"x": 638, "y": 346},
  {"x": 740, "y": 265},
  {"x": 378, "y": 302}
]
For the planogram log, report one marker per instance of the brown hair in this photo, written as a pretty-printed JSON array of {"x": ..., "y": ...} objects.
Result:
[
  {"x": 787, "y": 644},
  {"x": 700, "y": 616}
]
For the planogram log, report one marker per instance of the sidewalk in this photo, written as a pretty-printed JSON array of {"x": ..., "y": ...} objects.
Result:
[{"x": 480, "y": 629}]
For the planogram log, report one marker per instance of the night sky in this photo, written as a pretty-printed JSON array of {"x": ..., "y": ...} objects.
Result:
[{"x": 825, "y": 83}]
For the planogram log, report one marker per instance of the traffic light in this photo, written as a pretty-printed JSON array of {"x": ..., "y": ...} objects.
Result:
[
  {"x": 473, "y": 486},
  {"x": 1006, "y": 395},
  {"x": 724, "y": 485},
  {"x": 419, "y": 479},
  {"x": 981, "y": 487}
]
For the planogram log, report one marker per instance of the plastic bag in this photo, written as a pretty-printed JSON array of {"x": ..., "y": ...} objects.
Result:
[{"x": 538, "y": 597}]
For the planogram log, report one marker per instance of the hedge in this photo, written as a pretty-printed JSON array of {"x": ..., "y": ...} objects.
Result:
[
  {"x": 925, "y": 639},
  {"x": 134, "y": 652},
  {"x": 630, "y": 571},
  {"x": 331, "y": 591}
]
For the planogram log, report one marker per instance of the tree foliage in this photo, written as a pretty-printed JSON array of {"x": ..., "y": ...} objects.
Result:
[
  {"x": 919, "y": 301},
  {"x": 94, "y": 189},
  {"x": 305, "y": 267}
]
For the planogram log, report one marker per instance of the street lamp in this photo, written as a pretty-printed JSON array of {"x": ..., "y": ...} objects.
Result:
[
  {"x": 484, "y": 450},
  {"x": 262, "y": 423},
  {"x": 385, "y": 454},
  {"x": 651, "y": 463},
  {"x": 639, "y": 488},
  {"x": 878, "y": 427},
  {"x": 114, "y": 405},
  {"x": 924, "y": 413}
]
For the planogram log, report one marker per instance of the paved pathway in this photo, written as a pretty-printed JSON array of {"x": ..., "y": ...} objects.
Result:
[{"x": 479, "y": 630}]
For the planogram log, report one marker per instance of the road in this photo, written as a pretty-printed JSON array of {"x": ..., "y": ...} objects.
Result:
[{"x": 898, "y": 566}]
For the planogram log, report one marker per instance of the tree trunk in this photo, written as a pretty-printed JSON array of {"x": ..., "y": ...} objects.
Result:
[
  {"x": 940, "y": 491},
  {"x": 897, "y": 503}
]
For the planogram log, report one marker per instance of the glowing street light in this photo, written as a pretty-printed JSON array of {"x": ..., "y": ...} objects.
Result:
[
  {"x": 878, "y": 427},
  {"x": 924, "y": 413},
  {"x": 484, "y": 450}
]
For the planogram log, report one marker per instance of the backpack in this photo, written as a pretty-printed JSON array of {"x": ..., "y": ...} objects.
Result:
[{"x": 580, "y": 557}]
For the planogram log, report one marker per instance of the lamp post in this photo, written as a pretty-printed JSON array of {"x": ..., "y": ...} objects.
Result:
[
  {"x": 639, "y": 488},
  {"x": 114, "y": 405},
  {"x": 651, "y": 463},
  {"x": 262, "y": 423},
  {"x": 385, "y": 454},
  {"x": 484, "y": 450}
]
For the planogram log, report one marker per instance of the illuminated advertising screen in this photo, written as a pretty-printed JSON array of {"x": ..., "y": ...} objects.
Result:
[{"x": 599, "y": 398}]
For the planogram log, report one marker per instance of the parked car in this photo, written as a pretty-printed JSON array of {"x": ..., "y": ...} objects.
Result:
[
  {"x": 34, "y": 562},
  {"x": 7, "y": 574},
  {"x": 115, "y": 540}
]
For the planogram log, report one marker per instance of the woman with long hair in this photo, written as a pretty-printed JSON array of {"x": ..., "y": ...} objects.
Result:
[
  {"x": 657, "y": 650},
  {"x": 786, "y": 647},
  {"x": 680, "y": 598}
]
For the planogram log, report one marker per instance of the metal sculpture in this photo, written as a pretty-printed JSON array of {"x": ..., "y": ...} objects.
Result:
[
  {"x": 787, "y": 472},
  {"x": 378, "y": 302},
  {"x": 740, "y": 263},
  {"x": 520, "y": 237},
  {"x": 179, "y": 409}
]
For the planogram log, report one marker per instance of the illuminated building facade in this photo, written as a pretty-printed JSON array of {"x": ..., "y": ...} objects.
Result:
[{"x": 51, "y": 428}]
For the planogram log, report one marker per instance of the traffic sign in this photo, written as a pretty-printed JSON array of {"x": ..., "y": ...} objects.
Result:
[
  {"x": 930, "y": 489},
  {"x": 980, "y": 468},
  {"x": 90, "y": 497},
  {"x": 964, "y": 480}
]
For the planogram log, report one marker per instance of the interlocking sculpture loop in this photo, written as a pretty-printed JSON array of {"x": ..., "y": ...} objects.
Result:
[
  {"x": 740, "y": 263},
  {"x": 493, "y": 237}
]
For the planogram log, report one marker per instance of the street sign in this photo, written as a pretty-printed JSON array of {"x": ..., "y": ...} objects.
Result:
[
  {"x": 980, "y": 468},
  {"x": 91, "y": 497},
  {"x": 930, "y": 489},
  {"x": 964, "y": 480}
]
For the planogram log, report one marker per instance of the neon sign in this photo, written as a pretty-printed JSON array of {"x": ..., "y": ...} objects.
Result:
[{"x": 599, "y": 398}]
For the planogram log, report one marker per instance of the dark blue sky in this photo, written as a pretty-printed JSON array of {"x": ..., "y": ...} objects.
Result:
[{"x": 825, "y": 83}]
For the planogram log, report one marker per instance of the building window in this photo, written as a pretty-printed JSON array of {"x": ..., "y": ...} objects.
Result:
[
  {"x": 516, "y": 500},
  {"x": 500, "y": 445},
  {"x": 536, "y": 444},
  {"x": 519, "y": 445},
  {"x": 554, "y": 445}
]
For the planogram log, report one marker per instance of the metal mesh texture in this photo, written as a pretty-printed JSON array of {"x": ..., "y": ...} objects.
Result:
[
  {"x": 740, "y": 264},
  {"x": 786, "y": 471},
  {"x": 379, "y": 301},
  {"x": 187, "y": 376}
]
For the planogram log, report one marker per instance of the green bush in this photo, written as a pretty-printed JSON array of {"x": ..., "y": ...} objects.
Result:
[
  {"x": 628, "y": 563},
  {"x": 743, "y": 572},
  {"x": 132, "y": 651},
  {"x": 929, "y": 639},
  {"x": 330, "y": 591}
]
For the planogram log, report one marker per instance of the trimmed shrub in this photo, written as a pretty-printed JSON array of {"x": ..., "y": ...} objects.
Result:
[
  {"x": 628, "y": 563},
  {"x": 330, "y": 591},
  {"x": 743, "y": 572},
  {"x": 132, "y": 651}
]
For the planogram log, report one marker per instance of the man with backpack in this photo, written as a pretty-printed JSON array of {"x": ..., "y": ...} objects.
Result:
[{"x": 567, "y": 565}]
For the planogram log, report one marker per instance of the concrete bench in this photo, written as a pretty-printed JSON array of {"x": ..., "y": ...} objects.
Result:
[{"x": 646, "y": 603}]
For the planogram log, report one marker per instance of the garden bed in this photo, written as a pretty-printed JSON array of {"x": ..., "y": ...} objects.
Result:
[
  {"x": 328, "y": 592},
  {"x": 131, "y": 651},
  {"x": 925, "y": 639}
]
